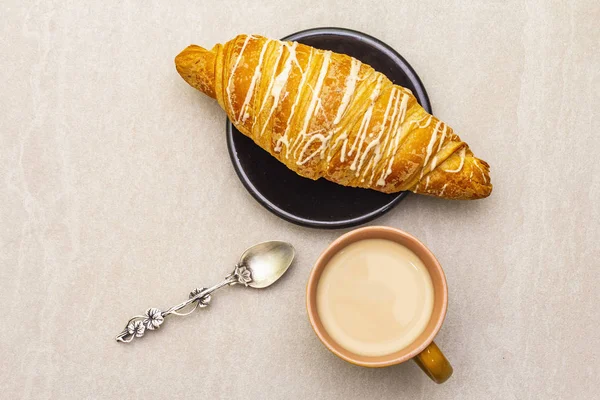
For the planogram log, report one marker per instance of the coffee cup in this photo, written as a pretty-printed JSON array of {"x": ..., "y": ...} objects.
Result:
[{"x": 422, "y": 349}]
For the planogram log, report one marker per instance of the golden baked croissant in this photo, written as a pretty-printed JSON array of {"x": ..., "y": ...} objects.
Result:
[{"x": 328, "y": 115}]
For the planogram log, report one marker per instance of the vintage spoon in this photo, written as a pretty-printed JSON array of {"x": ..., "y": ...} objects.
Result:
[{"x": 259, "y": 266}]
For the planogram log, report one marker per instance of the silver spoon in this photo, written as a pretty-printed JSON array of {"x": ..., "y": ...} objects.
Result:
[{"x": 259, "y": 266}]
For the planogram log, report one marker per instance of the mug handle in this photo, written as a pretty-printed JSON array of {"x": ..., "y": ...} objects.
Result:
[{"x": 433, "y": 362}]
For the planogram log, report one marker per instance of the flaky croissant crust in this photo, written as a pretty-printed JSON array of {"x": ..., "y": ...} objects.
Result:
[{"x": 328, "y": 115}]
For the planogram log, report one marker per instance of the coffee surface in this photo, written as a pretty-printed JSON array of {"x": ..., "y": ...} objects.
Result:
[{"x": 375, "y": 297}]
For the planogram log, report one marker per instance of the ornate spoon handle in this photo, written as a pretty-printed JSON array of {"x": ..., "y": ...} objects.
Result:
[{"x": 153, "y": 318}]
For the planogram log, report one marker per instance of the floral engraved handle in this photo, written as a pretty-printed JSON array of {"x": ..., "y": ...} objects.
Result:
[
  {"x": 198, "y": 298},
  {"x": 242, "y": 275}
]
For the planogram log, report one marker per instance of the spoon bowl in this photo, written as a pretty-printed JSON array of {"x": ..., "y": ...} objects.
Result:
[{"x": 267, "y": 262}]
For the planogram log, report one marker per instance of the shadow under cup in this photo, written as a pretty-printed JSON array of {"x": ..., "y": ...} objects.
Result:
[{"x": 423, "y": 350}]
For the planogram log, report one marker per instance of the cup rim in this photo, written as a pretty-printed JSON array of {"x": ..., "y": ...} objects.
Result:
[{"x": 315, "y": 274}]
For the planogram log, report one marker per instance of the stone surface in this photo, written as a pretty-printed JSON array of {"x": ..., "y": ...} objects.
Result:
[{"x": 117, "y": 194}]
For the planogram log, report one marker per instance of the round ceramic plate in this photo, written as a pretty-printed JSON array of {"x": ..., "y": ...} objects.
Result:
[{"x": 321, "y": 203}]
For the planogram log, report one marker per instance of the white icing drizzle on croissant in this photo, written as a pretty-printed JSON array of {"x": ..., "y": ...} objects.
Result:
[
  {"x": 393, "y": 127},
  {"x": 395, "y": 137},
  {"x": 311, "y": 108},
  {"x": 283, "y": 140},
  {"x": 349, "y": 90},
  {"x": 279, "y": 82},
  {"x": 430, "y": 146},
  {"x": 250, "y": 93},
  {"x": 234, "y": 68},
  {"x": 364, "y": 124},
  {"x": 462, "y": 154},
  {"x": 476, "y": 164},
  {"x": 375, "y": 143},
  {"x": 444, "y": 189},
  {"x": 418, "y": 123},
  {"x": 272, "y": 82}
]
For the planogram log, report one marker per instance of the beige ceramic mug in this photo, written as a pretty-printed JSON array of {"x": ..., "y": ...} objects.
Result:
[{"x": 423, "y": 350}]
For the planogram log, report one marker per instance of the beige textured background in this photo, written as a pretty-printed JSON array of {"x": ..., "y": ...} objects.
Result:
[{"x": 117, "y": 193}]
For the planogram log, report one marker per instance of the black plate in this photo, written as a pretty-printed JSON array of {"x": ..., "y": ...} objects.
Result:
[{"x": 321, "y": 203}]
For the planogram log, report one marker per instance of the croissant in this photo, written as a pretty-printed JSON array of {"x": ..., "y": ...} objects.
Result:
[{"x": 327, "y": 115}]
